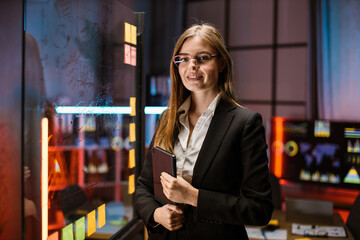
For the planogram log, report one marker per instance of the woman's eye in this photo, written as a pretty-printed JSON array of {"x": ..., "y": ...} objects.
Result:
[{"x": 204, "y": 58}]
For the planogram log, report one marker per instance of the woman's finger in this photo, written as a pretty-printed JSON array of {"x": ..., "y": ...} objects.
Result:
[
  {"x": 176, "y": 222},
  {"x": 174, "y": 208},
  {"x": 167, "y": 177},
  {"x": 178, "y": 219}
]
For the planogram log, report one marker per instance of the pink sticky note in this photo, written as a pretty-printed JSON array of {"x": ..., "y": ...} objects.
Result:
[
  {"x": 133, "y": 56},
  {"x": 127, "y": 54},
  {"x": 53, "y": 236}
]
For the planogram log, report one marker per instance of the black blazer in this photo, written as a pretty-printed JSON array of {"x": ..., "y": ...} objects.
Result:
[{"x": 232, "y": 176}]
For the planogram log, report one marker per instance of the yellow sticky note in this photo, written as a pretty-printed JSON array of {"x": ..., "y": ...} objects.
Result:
[
  {"x": 127, "y": 33},
  {"x": 131, "y": 189},
  {"x": 67, "y": 232},
  {"x": 302, "y": 238},
  {"x": 132, "y": 158},
  {"x": 91, "y": 223},
  {"x": 101, "y": 216},
  {"x": 133, "y": 34},
  {"x": 274, "y": 222},
  {"x": 133, "y": 106},
  {"x": 132, "y": 137},
  {"x": 80, "y": 229}
]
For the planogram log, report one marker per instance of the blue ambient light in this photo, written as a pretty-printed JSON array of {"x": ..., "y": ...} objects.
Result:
[
  {"x": 92, "y": 110},
  {"x": 105, "y": 110},
  {"x": 154, "y": 110}
]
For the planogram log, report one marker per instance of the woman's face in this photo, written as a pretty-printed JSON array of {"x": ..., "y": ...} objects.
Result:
[{"x": 200, "y": 74}]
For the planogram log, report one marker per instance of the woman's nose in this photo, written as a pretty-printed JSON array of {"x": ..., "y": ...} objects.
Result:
[{"x": 193, "y": 63}]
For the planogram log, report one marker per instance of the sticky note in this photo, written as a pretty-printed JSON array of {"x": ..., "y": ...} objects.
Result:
[
  {"x": 132, "y": 137},
  {"x": 131, "y": 189},
  {"x": 101, "y": 216},
  {"x": 132, "y": 158},
  {"x": 274, "y": 222},
  {"x": 80, "y": 229},
  {"x": 133, "y": 56},
  {"x": 133, "y": 106},
  {"x": 91, "y": 223},
  {"x": 133, "y": 34},
  {"x": 127, "y": 54},
  {"x": 302, "y": 238},
  {"x": 67, "y": 232},
  {"x": 53, "y": 236},
  {"x": 127, "y": 33}
]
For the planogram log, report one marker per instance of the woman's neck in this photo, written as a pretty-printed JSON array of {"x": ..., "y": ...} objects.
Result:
[{"x": 201, "y": 101}]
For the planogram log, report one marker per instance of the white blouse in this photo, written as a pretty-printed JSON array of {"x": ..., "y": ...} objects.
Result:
[{"x": 186, "y": 154}]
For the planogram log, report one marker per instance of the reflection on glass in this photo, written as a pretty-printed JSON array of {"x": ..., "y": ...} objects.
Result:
[{"x": 74, "y": 57}]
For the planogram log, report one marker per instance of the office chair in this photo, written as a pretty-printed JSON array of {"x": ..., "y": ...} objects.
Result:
[
  {"x": 353, "y": 221},
  {"x": 276, "y": 192},
  {"x": 72, "y": 198}
]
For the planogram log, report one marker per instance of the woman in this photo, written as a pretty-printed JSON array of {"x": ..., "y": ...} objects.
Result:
[{"x": 222, "y": 167}]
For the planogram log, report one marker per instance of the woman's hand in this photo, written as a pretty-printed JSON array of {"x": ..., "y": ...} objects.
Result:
[
  {"x": 170, "y": 216},
  {"x": 179, "y": 190},
  {"x": 27, "y": 173}
]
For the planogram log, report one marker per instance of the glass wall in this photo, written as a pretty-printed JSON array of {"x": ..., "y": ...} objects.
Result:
[
  {"x": 80, "y": 68},
  {"x": 11, "y": 20}
]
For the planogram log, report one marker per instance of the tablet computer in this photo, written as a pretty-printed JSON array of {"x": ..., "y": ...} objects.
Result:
[{"x": 162, "y": 161}]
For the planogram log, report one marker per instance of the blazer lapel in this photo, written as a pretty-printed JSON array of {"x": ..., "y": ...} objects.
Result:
[{"x": 214, "y": 136}]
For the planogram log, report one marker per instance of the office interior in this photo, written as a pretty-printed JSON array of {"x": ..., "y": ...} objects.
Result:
[{"x": 83, "y": 83}]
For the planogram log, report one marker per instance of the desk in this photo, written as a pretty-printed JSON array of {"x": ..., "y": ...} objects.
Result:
[{"x": 337, "y": 221}]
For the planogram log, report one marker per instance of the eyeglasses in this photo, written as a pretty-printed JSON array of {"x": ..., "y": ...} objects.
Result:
[{"x": 201, "y": 58}]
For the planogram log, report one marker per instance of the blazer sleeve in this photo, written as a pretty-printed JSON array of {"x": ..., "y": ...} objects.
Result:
[
  {"x": 145, "y": 203},
  {"x": 251, "y": 204}
]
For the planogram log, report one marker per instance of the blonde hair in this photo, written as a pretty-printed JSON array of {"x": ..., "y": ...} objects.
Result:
[{"x": 168, "y": 127}]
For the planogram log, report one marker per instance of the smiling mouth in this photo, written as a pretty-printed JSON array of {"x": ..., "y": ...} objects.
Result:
[{"x": 194, "y": 77}]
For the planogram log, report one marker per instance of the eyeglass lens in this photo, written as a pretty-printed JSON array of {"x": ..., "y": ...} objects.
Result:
[{"x": 184, "y": 60}]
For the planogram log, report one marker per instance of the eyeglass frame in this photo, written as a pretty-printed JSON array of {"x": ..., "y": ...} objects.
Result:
[{"x": 195, "y": 58}]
